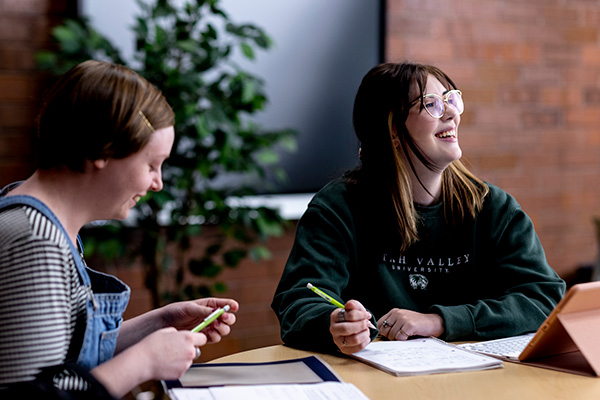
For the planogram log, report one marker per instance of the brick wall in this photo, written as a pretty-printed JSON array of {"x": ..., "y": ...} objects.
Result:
[
  {"x": 530, "y": 73},
  {"x": 24, "y": 30},
  {"x": 252, "y": 284}
]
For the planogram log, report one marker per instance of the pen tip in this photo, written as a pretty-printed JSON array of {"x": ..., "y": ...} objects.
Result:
[
  {"x": 226, "y": 308},
  {"x": 309, "y": 285}
]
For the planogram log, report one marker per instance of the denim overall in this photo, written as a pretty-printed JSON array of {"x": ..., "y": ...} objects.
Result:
[{"x": 107, "y": 296}]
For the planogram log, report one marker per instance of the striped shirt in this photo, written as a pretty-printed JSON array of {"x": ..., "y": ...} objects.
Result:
[{"x": 42, "y": 300}]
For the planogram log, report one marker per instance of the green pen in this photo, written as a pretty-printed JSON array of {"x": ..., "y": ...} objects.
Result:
[
  {"x": 331, "y": 300},
  {"x": 325, "y": 295},
  {"x": 207, "y": 321}
]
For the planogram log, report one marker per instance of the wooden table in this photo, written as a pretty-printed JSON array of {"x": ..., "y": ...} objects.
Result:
[{"x": 513, "y": 382}]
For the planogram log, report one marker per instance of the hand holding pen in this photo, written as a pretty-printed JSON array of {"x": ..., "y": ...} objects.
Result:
[
  {"x": 210, "y": 318},
  {"x": 186, "y": 315},
  {"x": 349, "y": 323}
]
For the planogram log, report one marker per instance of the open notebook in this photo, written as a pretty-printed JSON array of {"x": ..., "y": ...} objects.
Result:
[
  {"x": 421, "y": 356},
  {"x": 566, "y": 341}
]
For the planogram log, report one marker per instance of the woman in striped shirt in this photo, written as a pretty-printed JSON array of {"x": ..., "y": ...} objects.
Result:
[{"x": 104, "y": 132}]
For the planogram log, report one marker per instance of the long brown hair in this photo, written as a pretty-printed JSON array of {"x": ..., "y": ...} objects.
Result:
[
  {"x": 98, "y": 110},
  {"x": 381, "y": 108}
]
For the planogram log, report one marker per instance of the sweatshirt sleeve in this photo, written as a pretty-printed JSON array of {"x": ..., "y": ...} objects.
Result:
[
  {"x": 323, "y": 254},
  {"x": 522, "y": 288}
]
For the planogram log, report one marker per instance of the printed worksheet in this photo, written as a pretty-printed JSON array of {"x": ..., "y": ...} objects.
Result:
[
  {"x": 423, "y": 356},
  {"x": 316, "y": 391}
]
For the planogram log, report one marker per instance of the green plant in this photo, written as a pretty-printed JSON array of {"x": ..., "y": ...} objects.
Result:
[{"x": 219, "y": 153}]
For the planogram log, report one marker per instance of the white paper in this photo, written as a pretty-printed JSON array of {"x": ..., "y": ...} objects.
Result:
[
  {"x": 316, "y": 391},
  {"x": 422, "y": 356}
]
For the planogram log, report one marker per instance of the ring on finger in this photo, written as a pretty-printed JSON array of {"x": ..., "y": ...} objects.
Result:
[
  {"x": 342, "y": 315},
  {"x": 404, "y": 333},
  {"x": 198, "y": 352},
  {"x": 386, "y": 324}
]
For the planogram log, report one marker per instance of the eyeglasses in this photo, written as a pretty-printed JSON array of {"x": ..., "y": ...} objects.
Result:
[{"x": 434, "y": 103}]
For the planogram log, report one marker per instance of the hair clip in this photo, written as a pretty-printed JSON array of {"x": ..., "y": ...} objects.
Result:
[{"x": 146, "y": 120}]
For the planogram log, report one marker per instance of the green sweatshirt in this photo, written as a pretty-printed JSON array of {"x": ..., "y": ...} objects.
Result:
[{"x": 487, "y": 279}]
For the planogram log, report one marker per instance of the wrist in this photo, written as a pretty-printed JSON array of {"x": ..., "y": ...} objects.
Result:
[
  {"x": 153, "y": 320},
  {"x": 439, "y": 324},
  {"x": 126, "y": 370}
]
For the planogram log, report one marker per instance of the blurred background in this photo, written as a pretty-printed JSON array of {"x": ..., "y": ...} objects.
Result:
[
  {"x": 529, "y": 72},
  {"x": 321, "y": 51}
]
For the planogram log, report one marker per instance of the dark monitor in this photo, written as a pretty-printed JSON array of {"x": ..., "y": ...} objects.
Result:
[{"x": 322, "y": 50}]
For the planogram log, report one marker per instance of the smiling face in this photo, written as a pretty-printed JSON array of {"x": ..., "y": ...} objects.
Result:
[
  {"x": 126, "y": 180},
  {"x": 437, "y": 138}
]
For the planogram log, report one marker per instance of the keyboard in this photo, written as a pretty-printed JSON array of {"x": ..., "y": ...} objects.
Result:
[{"x": 506, "y": 348}]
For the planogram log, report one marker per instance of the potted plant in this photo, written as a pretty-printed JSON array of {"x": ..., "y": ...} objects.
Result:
[{"x": 219, "y": 153}]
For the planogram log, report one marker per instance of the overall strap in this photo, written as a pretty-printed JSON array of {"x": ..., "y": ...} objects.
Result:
[{"x": 8, "y": 201}]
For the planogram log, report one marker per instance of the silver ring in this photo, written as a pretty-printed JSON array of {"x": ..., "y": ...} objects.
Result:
[
  {"x": 385, "y": 324},
  {"x": 198, "y": 352},
  {"x": 342, "y": 315}
]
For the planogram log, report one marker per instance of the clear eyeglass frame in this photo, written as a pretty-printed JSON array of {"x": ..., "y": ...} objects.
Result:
[{"x": 435, "y": 105}]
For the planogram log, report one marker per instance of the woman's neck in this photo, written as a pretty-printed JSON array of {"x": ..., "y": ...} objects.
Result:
[
  {"x": 427, "y": 186},
  {"x": 62, "y": 194}
]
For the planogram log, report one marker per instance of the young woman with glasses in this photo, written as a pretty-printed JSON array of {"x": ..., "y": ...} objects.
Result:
[{"x": 411, "y": 240}]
